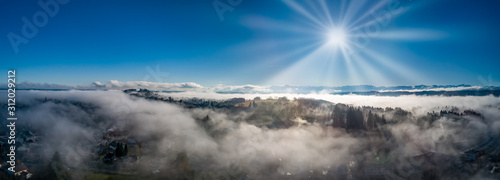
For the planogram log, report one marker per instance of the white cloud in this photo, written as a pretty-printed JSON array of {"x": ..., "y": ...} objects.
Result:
[
  {"x": 33, "y": 85},
  {"x": 114, "y": 84},
  {"x": 435, "y": 89},
  {"x": 417, "y": 104},
  {"x": 250, "y": 89},
  {"x": 167, "y": 129},
  {"x": 241, "y": 89}
]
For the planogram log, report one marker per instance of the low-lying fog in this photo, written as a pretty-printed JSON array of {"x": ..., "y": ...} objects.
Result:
[{"x": 234, "y": 143}]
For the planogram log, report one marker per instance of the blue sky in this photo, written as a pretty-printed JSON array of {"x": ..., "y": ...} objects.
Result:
[{"x": 258, "y": 42}]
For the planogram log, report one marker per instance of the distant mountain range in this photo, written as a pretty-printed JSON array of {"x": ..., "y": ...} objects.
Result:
[{"x": 445, "y": 90}]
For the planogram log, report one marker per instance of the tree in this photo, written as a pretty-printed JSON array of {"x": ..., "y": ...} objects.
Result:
[
  {"x": 57, "y": 157},
  {"x": 283, "y": 100},
  {"x": 338, "y": 117},
  {"x": 205, "y": 119},
  {"x": 370, "y": 121},
  {"x": 181, "y": 168},
  {"x": 119, "y": 152},
  {"x": 125, "y": 152},
  {"x": 55, "y": 169},
  {"x": 354, "y": 119},
  {"x": 382, "y": 120}
]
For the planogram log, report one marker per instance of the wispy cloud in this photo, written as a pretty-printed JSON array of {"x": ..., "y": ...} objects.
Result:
[
  {"x": 461, "y": 88},
  {"x": 117, "y": 85},
  {"x": 241, "y": 89},
  {"x": 232, "y": 139},
  {"x": 256, "y": 89}
]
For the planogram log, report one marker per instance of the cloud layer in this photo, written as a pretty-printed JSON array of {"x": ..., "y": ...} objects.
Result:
[
  {"x": 230, "y": 144},
  {"x": 255, "y": 89}
]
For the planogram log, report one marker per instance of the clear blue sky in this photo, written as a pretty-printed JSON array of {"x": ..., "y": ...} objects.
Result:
[{"x": 258, "y": 42}]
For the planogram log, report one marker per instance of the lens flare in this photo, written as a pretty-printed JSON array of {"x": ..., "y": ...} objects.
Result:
[
  {"x": 356, "y": 45},
  {"x": 337, "y": 37}
]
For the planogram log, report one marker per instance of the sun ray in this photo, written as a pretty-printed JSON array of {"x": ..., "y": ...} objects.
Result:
[
  {"x": 411, "y": 35},
  {"x": 304, "y": 12},
  {"x": 326, "y": 11},
  {"x": 372, "y": 10},
  {"x": 341, "y": 14},
  {"x": 374, "y": 76},
  {"x": 374, "y": 21},
  {"x": 260, "y": 22},
  {"x": 344, "y": 50},
  {"x": 276, "y": 58},
  {"x": 351, "y": 11},
  {"x": 396, "y": 67},
  {"x": 353, "y": 76},
  {"x": 304, "y": 70},
  {"x": 318, "y": 13}
]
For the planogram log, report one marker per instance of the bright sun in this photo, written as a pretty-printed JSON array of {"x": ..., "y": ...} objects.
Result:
[{"x": 337, "y": 37}]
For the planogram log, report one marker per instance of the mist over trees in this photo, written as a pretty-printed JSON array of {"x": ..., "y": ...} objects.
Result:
[{"x": 157, "y": 137}]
